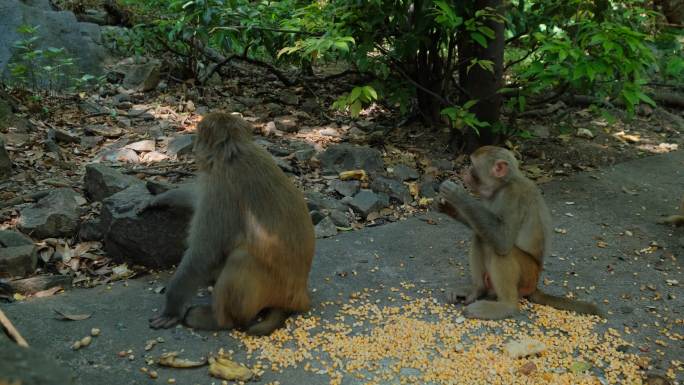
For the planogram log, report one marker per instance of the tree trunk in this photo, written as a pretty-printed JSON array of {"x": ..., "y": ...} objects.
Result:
[{"x": 479, "y": 83}]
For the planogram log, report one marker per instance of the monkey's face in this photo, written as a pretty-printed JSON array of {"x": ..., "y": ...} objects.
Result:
[{"x": 483, "y": 178}]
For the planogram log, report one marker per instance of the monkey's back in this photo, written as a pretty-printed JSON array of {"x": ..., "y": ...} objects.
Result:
[{"x": 275, "y": 226}]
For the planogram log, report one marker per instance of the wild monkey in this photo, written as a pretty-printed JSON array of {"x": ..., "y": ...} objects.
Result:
[
  {"x": 677, "y": 219},
  {"x": 250, "y": 233},
  {"x": 511, "y": 234}
]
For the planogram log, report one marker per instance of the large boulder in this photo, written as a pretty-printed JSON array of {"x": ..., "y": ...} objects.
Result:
[
  {"x": 56, "y": 29},
  {"x": 30, "y": 366},
  {"x": 154, "y": 238},
  {"x": 54, "y": 216},
  {"x": 344, "y": 157},
  {"x": 17, "y": 254}
]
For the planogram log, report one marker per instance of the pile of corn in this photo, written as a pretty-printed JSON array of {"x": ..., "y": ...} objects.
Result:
[{"x": 421, "y": 340}]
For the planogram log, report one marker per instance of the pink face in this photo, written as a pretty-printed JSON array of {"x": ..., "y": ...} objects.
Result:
[{"x": 475, "y": 180}]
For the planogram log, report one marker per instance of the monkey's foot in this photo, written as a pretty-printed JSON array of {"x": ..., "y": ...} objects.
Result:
[
  {"x": 164, "y": 321},
  {"x": 490, "y": 310},
  {"x": 274, "y": 319},
  {"x": 202, "y": 317}
]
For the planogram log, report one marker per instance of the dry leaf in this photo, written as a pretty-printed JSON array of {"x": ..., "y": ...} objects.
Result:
[
  {"x": 354, "y": 174},
  {"x": 71, "y": 317},
  {"x": 48, "y": 292},
  {"x": 228, "y": 370},
  {"x": 171, "y": 360}
]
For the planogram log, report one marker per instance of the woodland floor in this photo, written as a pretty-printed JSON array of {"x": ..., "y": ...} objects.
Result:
[{"x": 607, "y": 249}]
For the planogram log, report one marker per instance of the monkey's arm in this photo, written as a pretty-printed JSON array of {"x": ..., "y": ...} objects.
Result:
[
  {"x": 184, "y": 197},
  {"x": 498, "y": 231}
]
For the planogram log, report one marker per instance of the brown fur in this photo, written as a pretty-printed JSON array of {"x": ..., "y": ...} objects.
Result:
[
  {"x": 677, "y": 219},
  {"x": 251, "y": 232},
  {"x": 511, "y": 234}
]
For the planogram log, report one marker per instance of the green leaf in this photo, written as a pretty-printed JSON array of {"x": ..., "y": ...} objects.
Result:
[
  {"x": 355, "y": 94},
  {"x": 479, "y": 38},
  {"x": 579, "y": 367},
  {"x": 355, "y": 108},
  {"x": 646, "y": 98}
]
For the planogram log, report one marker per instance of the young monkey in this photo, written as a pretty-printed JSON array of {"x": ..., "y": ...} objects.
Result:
[{"x": 511, "y": 234}]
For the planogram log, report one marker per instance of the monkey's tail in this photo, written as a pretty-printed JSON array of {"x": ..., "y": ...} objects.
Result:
[
  {"x": 274, "y": 319},
  {"x": 563, "y": 303}
]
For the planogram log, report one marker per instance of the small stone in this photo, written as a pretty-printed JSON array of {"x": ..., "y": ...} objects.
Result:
[
  {"x": 395, "y": 189},
  {"x": 91, "y": 141},
  {"x": 325, "y": 228},
  {"x": 540, "y": 131},
  {"x": 286, "y": 123},
  {"x": 17, "y": 254},
  {"x": 101, "y": 181},
  {"x": 289, "y": 98},
  {"x": 104, "y": 131},
  {"x": 115, "y": 155},
  {"x": 528, "y": 368},
  {"x": 344, "y": 157},
  {"x": 153, "y": 157},
  {"x": 305, "y": 155},
  {"x": 316, "y": 216},
  {"x": 329, "y": 131},
  {"x": 340, "y": 218}
]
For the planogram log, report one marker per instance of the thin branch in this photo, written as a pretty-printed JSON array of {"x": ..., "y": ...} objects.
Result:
[
  {"x": 293, "y": 31},
  {"x": 12, "y": 331},
  {"x": 528, "y": 54}
]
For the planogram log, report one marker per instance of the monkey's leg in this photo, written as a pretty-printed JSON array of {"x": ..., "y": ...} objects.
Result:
[
  {"x": 202, "y": 317},
  {"x": 477, "y": 273},
  {"x": 190, "y": 274},
  {"x": 504, "y": 273}
]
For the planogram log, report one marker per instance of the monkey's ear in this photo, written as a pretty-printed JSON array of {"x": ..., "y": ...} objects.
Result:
[{"x": 500, "y": 169}]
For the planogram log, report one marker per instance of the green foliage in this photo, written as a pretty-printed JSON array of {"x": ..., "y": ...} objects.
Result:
[
  {"x": 461, "y": 117},
  {"x": 356, "y": 99},
  {"x": 43, "y": 69}
]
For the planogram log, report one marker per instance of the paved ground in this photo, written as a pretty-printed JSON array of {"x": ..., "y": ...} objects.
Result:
[{"x": 603, "y": 251}]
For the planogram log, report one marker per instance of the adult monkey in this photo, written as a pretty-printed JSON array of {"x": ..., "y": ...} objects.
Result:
[
  {"x": 250, "y": 233},
  {"x": 511, "y": 234}
]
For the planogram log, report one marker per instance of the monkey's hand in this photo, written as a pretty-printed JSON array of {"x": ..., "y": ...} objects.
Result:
[
  {"x": 151, "y": 203},
  {"x": 452, "y": 192},
  {"x": 164, "y": 321}
]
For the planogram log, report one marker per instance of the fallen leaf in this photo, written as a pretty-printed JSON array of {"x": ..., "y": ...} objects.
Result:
[
  {"x": 71, "y": 317},
  {"x": 354, "y": 174},
  {"x": 228, "y": 370},
  {"x": 528, "y": 368},
  {"x": 171, "y": 360},
  {"x": 48, "y": 292}
]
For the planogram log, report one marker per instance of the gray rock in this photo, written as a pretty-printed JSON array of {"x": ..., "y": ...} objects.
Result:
[
  {"x": 91, "y": 141},
  {"x": 54, "y": 216},
  {"x": 403, "y": 172},
  {"x": 64, "y": 136},
  {"x": 103, "y": 130},
  {"x": 141, "y": 76},
  {"x": 277, "y": 149},
  {"x": 286, "y": 123},
  {"x": 366, "y": 201},
  {"x": 344, "y": 157},
  {"x": 17, "y": 254},
  {"x": 540, "y": 131},
  {"x": 17, "y": 260},
  {"x": 82, "y": 41},
  {"x": 443, "y": 164},
  {"x": 283, "y": 164},
  {"x": 5, "y": 162},
  {"x": 325, "y": 228},
  {"x": 305, "y": 155},
  {"x": 316, "y": 216},
  {"x": 28, "y": 366},
  {"x": 317, "y": 202},
  {"x": 154, "y": 238},
  {"x": 181, "y": 145},
  {"x": 428, "y": 187},
  {"x": 346, "y": 188},
  {"x": 101, "y": 181},
  {"x": 91, "y": 230},
  {"x": 391, "y": 187},
  {"x": 9, "y": 238},
  {"x": 340, "y": 218},
  {"x": 310, "y": 105},
  {"x": 289, "y": 98}
]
